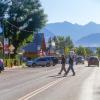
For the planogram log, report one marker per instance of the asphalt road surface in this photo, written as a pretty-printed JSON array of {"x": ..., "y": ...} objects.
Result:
[{"x": 43, "y": 83}]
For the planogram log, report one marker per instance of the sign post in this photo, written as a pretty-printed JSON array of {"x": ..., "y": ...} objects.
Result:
[
  {"x": 6, "y": 45},
  {"x": 11, "y": 49}
]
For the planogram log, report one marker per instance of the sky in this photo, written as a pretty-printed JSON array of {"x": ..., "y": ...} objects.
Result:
[{"x": 74, "y": 11}]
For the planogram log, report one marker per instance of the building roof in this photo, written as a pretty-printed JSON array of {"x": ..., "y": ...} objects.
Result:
[{"x": 37, "y": 43}]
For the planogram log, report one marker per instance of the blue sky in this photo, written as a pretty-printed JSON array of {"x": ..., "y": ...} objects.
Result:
[{"x": 74, "y": 11}]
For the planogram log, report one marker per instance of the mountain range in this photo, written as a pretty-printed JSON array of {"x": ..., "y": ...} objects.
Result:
[
  {"x": 85, "y": 35},
  {"x": 80, "y": 34},
  {"x": 92, "y": 40}
]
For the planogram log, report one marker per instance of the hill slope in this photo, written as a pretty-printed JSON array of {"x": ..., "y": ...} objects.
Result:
[
  {"x": 92, "y": 40},
  {"x": 75, "y": 31}
]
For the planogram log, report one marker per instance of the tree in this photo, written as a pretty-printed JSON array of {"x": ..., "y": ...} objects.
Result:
[
  {"x": 98, "y": 52},
  {"x": 61, "y": 43},
  {"x": 67, "y": 51},
  {"x": 3, "y": 7},
  {"x": 83, "y": 51},
  {"x": 69, "y": 44},
  {"x": 24, "y": 18},
  {"x": 64, "y": 44},
  {"x": 89, "y": 52}
]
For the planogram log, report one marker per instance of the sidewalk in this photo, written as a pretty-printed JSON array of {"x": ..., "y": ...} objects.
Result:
[
  {"x": 90, "y": 89},
  {"x": 96, "y": 88},
  {"x": 15, "y": 67}
]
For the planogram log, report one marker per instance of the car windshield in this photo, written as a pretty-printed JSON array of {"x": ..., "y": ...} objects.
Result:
[{"x": 93, "y": 58}]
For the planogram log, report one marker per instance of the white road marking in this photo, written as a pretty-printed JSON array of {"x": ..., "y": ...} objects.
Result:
[
  {"x": 32, "y": 94},
  {"x": 87, "y": 88}
]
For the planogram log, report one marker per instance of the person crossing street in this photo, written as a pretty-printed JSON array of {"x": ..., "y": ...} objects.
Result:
[
  {"x": 63, "y": 62},
  {"x": 71, "y": 64}
]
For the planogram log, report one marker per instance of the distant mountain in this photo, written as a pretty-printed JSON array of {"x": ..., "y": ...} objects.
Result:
[
  {"x": 92, "y": 40},
  {"x": 80, "y": 34},
  {"x": 47, "y": 34},
  {"x": 75, "y": 31}
]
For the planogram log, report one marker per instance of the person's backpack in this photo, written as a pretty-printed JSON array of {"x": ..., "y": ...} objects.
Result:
[{"x": 71, "y": 60}]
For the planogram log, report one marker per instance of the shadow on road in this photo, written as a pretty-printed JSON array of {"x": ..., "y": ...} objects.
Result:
[
  {"x": 56, "y": 76},
  {"x": 97, "y": 92},
  {"x": 59, "y": 76}
]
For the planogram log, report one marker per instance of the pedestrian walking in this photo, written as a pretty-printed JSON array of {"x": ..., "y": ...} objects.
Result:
[
  {"x": 63, "y": 62},
  {"x": 71, "y": 64}
]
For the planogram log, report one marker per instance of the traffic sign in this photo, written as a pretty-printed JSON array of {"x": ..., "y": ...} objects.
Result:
[{"x": 11, "y": 48}]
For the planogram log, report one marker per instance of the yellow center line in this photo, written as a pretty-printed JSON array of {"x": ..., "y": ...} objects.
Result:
[{"x": 32, "y": 94}]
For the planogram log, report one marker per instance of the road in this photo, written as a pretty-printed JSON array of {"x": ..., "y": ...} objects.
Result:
[{"x": 43, "y": 83}]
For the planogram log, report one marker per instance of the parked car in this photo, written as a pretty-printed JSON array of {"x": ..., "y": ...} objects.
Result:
[
  {"x": 53, "y": 59},
  {"x": 25, "y": 59},
  {"x": 41, "y": 61},
  {"x": 1, "y": 65},
  {"x": 80, "y": 59},
  {"x": 93, "y": 61}
]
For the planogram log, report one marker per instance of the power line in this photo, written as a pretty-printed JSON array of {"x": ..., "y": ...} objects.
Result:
[{"x": 17, "y": 27}]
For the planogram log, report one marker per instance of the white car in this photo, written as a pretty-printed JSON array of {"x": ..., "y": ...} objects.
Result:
[{"x": 42, "y": 61}]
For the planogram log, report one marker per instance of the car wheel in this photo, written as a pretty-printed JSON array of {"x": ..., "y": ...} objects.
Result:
[
  {"x": 28, "y": 66},
  {"x": 42, "y": 65},
  {"x": 33, "y": 65},
  {"x": 48, "y": 64},
  {"x": 54, "y": 64}
]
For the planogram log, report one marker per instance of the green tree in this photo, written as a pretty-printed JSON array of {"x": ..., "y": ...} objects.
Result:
[
  {"x": 24, "y": 18},
  {"x": 83, "y": 51},
  {"x": 3, "y": 7},
  {"x": 98, "y": 52},
  {"x": 89, "y": 52},
  {"x": 61, "y": 43},
  {"x": 68, "y": 42},
  {"x": 64, "y": 44}
]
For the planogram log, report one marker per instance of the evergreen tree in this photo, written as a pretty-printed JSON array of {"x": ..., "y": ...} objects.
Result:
[{"x": 64, "y": 44}]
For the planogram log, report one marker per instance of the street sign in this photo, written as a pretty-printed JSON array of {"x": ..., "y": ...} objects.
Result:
[
  {"x": 11, "y": 49},
  {"x": 6, "y": 45}
]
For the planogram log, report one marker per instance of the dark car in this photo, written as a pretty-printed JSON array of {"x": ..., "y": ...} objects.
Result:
[
  {"x": 93, "y": 61},
  {"x": 1, "y": 65},
  {"x": 80, "y": 59},
  {"x": 54, "y": 59}
]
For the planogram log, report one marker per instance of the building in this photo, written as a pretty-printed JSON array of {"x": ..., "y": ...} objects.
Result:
[{"x": 36, "y": 48}]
